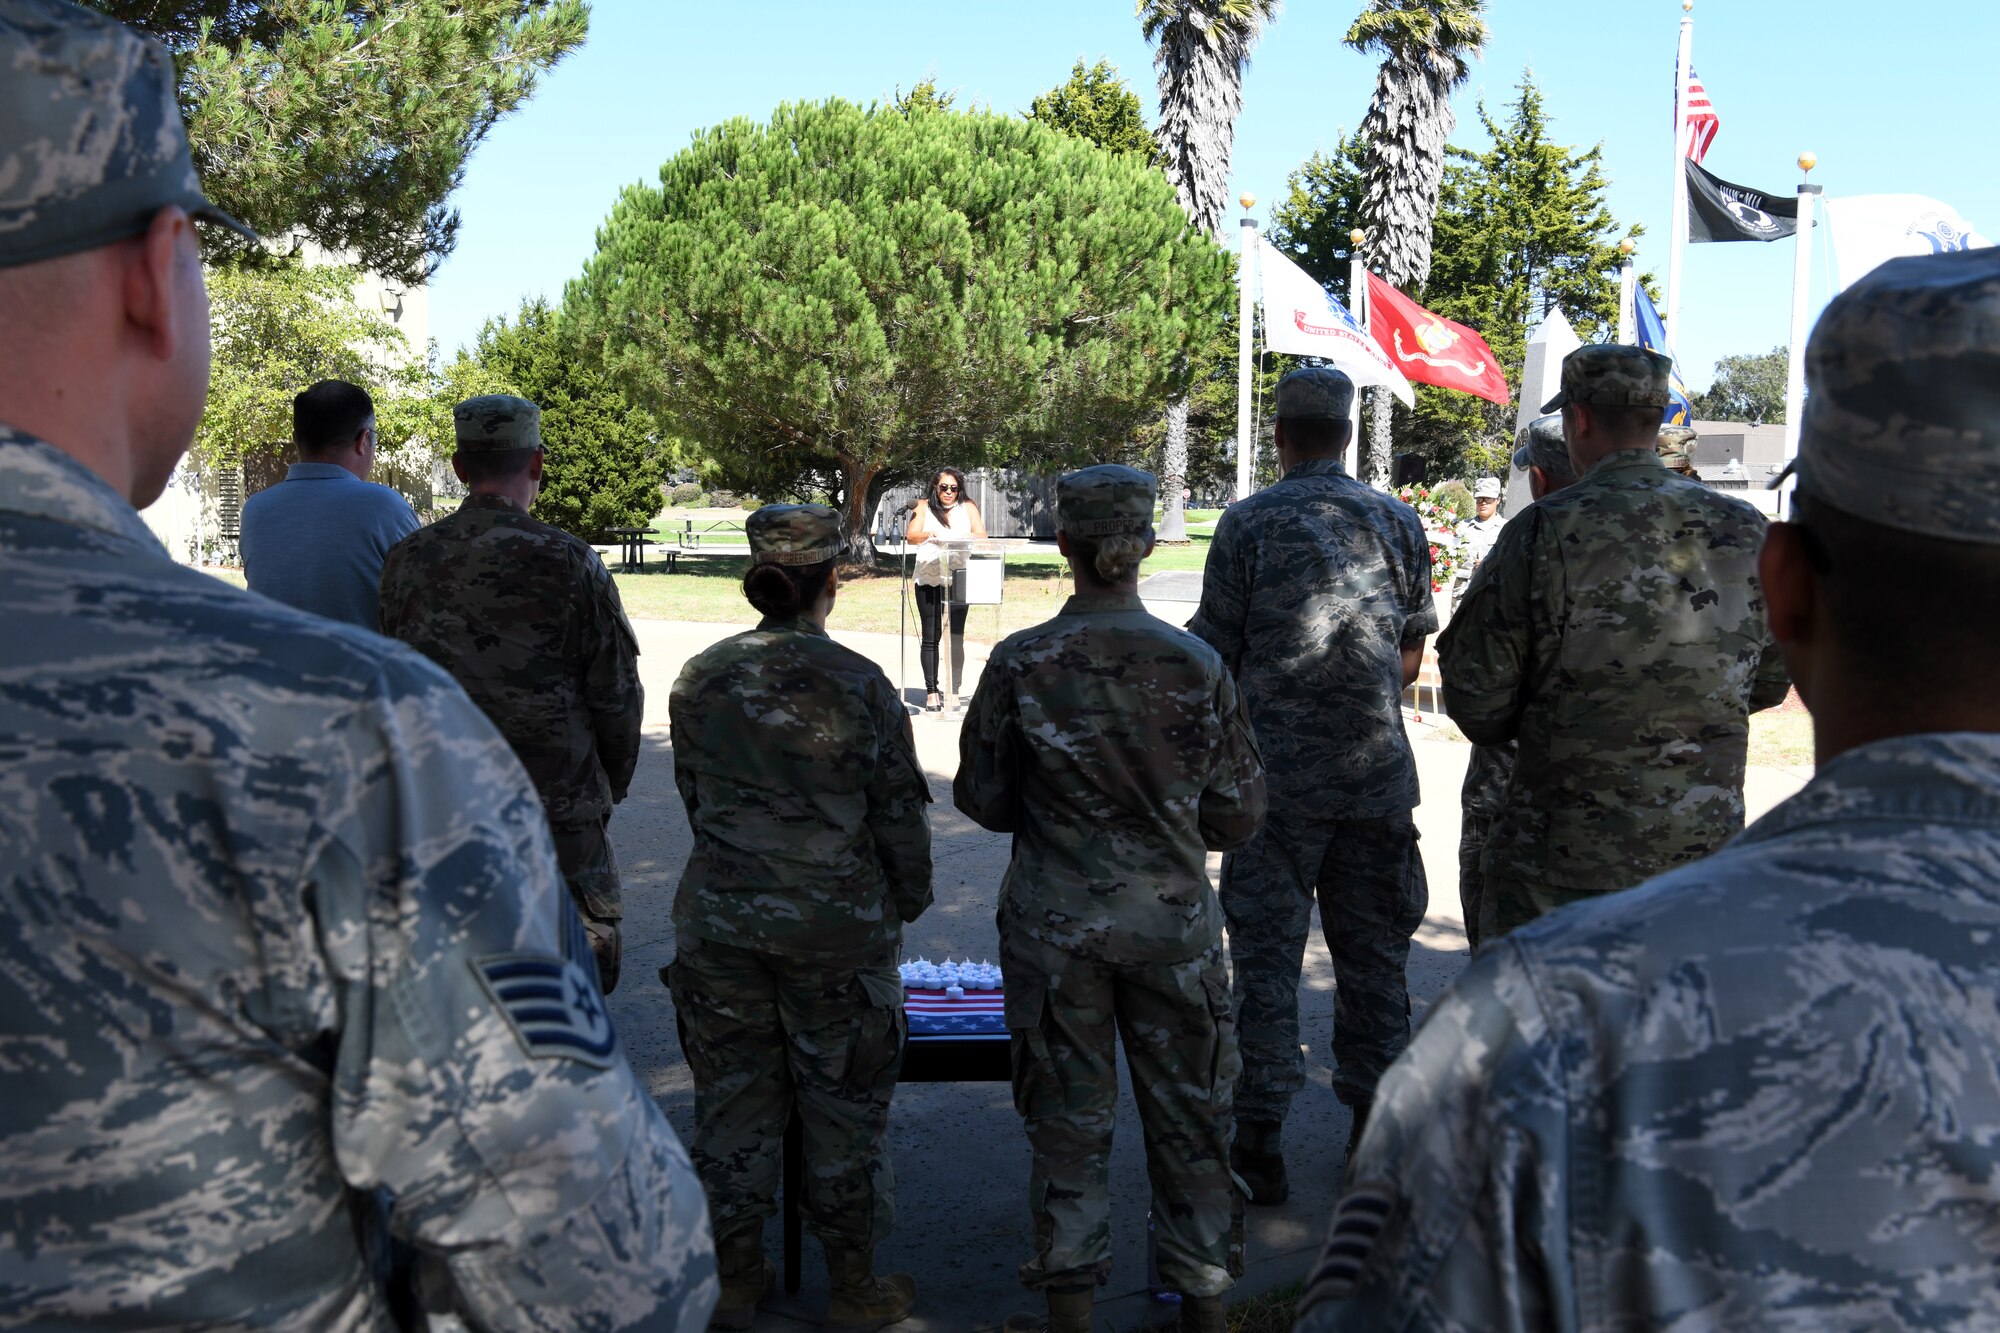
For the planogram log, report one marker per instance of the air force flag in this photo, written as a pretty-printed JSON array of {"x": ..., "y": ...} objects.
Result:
[{"x": 1653, "y": 337}]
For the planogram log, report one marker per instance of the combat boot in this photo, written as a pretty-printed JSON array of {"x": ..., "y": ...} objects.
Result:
[
  {"x": 1069, "y": 1312},
  {"x": 747, "y": 1279},
  {"x": 1355, "y": 1131},
  {"x": 1202, "y": 1314},
  {"x": 863, "y": 1301},
  {"x": 1258, "y": 1159}
]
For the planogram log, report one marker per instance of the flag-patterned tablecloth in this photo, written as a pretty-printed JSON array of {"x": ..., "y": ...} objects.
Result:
[{"x": 934, "y": 1014}]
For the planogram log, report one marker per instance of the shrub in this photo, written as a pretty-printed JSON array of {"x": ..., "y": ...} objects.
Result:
[
  {"x": 686, "y": 494},
  {"x": 722, "y": 500},
  {"x": 751, "y": 502},
  {"x": 1456, "y": 496}
]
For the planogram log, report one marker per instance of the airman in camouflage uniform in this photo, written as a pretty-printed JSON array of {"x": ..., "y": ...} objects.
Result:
[
  {"x": 1318, "y": 596},
  {"x": 811, "y": 851},
  {"x": 1116, "y": 750},
  {"x": 1759, "y": 1091},
  {"x": 1544, "y": 458},
  {"x": 281, "y": 929},
  {"x": 1618, "y": 632},
  {"x": 527, "y": 619}
]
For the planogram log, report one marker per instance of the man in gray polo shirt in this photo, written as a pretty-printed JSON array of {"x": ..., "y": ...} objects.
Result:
[{"x": 316, "y": 540}]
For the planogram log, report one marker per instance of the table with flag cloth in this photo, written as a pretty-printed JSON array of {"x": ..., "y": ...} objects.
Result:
[{"x": 951, "y": 1041}]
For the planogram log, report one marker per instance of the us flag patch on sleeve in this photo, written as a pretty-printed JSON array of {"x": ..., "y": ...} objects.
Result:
[
  {"x": 1350, "y": 1239},
  {"x": 553, "y": 1004}
]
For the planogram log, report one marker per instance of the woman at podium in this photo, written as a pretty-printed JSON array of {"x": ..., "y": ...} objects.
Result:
[{"x": 947, "y": 513}]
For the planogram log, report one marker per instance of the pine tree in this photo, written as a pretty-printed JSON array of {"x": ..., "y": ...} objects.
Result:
[
  {"x": 605, "y": 459},
  {"x": 350, "y": 121},
  {"x": 847, "y": 297},
  {"x": 1096, "y": 105}
]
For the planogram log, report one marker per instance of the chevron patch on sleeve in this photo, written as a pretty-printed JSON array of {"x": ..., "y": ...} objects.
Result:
[
  {"x": 552, "y": 1004},
  {"x": 1357, "y": 1224}
]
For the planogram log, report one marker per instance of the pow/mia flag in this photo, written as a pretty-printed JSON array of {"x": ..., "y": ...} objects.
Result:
[{"x": 1719, "y": 211}]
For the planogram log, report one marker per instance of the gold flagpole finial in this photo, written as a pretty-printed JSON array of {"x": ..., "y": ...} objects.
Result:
[
  {"x": 1356, "y": 237},
  {"x": 1627, "y": 246},
  {"x": 1249, "y": 201},
  {"x": 1808, "y": 160}
]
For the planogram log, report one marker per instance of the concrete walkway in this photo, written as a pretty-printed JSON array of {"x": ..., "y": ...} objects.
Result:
[{"x": 961, "y": 1160}]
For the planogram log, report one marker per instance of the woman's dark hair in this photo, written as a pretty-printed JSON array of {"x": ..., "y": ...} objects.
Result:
[
  {"x": 785, "y": 590},
  {"x": 931, "y": 492}
]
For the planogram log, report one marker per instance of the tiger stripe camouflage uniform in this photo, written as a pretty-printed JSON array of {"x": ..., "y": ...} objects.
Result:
[
  {"x": 1314, "y": 589},
  {"x": 1115, "y": 749},
  {"x": 274, "y": 889},
  {"x": 526, "y": 618},
  {"x": 273, "y": 893},
  {"x": 811, "y": 851},
  {"x": 1759, "y": 1091},
  {"x": 1617, "y": 631}
]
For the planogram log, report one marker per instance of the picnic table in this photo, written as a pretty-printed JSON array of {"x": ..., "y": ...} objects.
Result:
[
  {"x": 690, "y": 537},
  {"x": 633, "y": 542}
]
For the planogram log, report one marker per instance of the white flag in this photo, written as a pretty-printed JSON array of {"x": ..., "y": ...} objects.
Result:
[
  {"x": 1301, "y": 319},
  {"x": 1870, "y": 229}
]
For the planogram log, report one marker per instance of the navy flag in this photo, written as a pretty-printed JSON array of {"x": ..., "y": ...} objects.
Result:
[
  {"x": 1719, "y": 211},
  {"x": 1653, "y": 337}
]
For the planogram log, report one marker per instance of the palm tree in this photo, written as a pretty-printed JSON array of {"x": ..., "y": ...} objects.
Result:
[
  {"x": 1425, "y": 46},
  {"x": 1203, "y": 47}
]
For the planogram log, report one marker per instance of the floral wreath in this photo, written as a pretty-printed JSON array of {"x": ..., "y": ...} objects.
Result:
[{"x": 1440, "y": 522}]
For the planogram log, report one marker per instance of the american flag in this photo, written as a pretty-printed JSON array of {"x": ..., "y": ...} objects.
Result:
[
  {"x": 1702, "y": 122},
  {"x": 932, "y": 1013}
]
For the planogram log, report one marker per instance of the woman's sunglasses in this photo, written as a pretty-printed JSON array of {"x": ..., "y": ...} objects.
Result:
[{"x": 946, "y": 488}]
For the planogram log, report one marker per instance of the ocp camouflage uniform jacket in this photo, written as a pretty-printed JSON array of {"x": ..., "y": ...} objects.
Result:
[
  {"x": 1314, "y": 587},
  {"x": 527, "y": 619},
  {"x": 280, "y": 910},
  {"x": 1759, "y": 1092},
  {"x": 1617, "y": 629},
  {"x": 802, "y": 786},
  {"x": 1115, "y": 748}
]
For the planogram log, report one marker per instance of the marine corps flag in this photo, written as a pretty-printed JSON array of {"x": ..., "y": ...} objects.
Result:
[
  {"x": 1430, "y": 349},
  {"x": 1719, "y": 211}
]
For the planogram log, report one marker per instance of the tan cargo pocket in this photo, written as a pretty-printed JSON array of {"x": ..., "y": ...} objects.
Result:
[
  {"x": 880, "y": 1030},
  {"x": 1026, "y": 1007}
]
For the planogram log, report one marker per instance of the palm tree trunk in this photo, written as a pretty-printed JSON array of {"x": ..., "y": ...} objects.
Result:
[
  {"x": 1379, "y": 441},
  {"x": 1173, "y": 466}
]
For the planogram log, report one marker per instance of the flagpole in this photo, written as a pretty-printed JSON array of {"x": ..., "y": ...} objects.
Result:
[
  {"x": 1795, "y": 371},
  {"x": 1678, "y": 227},
  {"x": 1357, "y": 306},
  {"x": 1246, "y": 315},
  {"x": 1628, "y": 278}
]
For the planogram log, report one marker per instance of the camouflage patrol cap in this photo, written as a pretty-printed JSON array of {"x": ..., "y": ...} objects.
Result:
[
  {"x": 1902, "y": 418},
  {"x": 1676, "y": 446},
  {"x": 91, "y": 141},
  {"x": 1314, "y": 393},
  {"x": 497, "y": 422},
  {"x": 1613, "y": 375},
  {"x": 1540, "y": 444},
  {"x": 1486, "y": 488},
  {"x": 1109, "y": 500},
  {"x": 793, "y": 535}
]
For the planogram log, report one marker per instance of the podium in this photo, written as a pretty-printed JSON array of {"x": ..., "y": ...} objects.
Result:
[{"x": 977, "y": 568}]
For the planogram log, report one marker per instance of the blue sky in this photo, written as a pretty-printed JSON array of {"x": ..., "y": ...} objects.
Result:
[{"x": 1888, "y": 108}]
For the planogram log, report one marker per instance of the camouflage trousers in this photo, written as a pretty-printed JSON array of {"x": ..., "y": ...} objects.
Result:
[
  {"x": 1508, "y": 904},
  {"x": 1066, "y": 1016},
  {"x": 764, "y": 1033},
  {"x": 1473, "y": 830},
  {"x": 583, "y": 853},
  {"x": 1369, "y": 880}
]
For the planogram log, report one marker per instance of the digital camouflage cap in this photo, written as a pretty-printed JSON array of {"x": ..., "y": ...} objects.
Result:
[
  {"x": 91, "y": 141},
  {"x": 1613, "y": 375},
  {"x": 1486, "y": 488},
  {"x": 1314, "y": 393},
  {"x": 1902, "y": 416},
  {"x": 793, "y": 535},
  {"x": 1675, "y": 446},
  {"x": 1109, "y": 500},
  {"x": 496, "y": 423},
  {"x": 1540, "y": 444}
]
